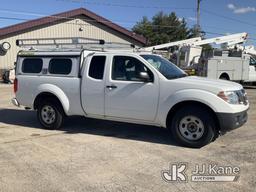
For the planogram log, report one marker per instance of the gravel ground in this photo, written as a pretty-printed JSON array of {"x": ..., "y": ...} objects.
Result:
[{"x": 96, "y": 155}]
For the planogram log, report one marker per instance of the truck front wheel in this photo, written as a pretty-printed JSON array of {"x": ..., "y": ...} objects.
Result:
[
  {"x": 50, "y": 114},
  {"x": 193, "y": 126}
]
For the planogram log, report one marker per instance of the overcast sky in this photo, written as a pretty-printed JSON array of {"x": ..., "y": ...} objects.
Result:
[{"x": 217, "y": 16}]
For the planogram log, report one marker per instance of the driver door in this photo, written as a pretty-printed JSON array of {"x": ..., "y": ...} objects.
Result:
[{"x": 126, "y": 95}]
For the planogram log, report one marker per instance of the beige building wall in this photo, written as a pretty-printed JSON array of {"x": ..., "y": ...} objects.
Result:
[{"x": 64, "y": 29}]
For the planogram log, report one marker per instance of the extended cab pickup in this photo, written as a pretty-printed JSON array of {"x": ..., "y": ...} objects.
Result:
[{"x": 130, "y": 87}]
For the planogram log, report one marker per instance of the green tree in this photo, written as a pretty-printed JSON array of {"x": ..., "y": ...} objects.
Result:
[
  {"x": 144, "y": 27},
  {"x": 162, "y": 28}
]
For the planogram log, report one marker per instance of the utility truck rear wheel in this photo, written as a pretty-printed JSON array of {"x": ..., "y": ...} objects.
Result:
[
  {"x": 50, "y": 114},
  {"x": 193, "y": 126}
]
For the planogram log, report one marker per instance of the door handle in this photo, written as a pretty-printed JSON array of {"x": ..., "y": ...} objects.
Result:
[{"x": 111, "y": 86}]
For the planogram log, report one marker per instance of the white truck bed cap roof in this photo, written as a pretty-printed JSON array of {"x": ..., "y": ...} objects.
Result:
[{"x": 50, "y": 53}]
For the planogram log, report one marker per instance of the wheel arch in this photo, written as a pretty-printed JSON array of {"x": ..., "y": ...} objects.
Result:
[
  {"x": 50, "y": 90},
  {"x": 47, "y": 95},
  {"x": 224, "y": 75},
  {"x": 182, "y": 104}
]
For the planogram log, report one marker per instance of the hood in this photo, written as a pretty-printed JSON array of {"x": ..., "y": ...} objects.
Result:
[{"x": 212, "y": 85}]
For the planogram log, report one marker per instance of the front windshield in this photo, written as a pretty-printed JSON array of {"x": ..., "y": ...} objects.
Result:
[{"x": 165, "y": 67}]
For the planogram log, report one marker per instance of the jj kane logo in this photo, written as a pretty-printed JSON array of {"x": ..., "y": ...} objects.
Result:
[
  {"x": 176, "y": 172},
  {"x": 201, "y": 173}
]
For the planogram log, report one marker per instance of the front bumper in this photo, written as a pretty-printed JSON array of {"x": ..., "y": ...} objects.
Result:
[
  {"x": 230, "y": 121},
  {"x": 15, "y": 102}
]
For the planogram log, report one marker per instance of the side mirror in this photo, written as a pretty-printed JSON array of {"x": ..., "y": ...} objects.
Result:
[{"x": 144, "y": 76}]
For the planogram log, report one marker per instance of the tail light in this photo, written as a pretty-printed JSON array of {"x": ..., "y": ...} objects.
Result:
[{"x": 15, "y": 85}]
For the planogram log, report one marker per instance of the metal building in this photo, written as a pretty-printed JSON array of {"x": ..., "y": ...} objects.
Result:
[{"x": 75, "y": 23}]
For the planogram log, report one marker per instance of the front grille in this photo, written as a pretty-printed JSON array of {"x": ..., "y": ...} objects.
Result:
[{"x": 242, "y": 96}]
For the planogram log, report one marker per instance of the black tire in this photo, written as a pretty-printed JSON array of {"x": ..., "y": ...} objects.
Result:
[
  {"x": 205, "y": 134},
  {"x": 56, "y": 121}
]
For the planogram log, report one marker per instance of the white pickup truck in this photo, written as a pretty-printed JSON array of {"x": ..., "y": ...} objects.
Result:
[{"x": 132, "y": 87}]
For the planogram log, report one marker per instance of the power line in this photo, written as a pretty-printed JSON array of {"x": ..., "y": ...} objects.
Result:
[
  {"x": 51, "y": 16},
  {"x": 13, "y": 18},
  {"x": 69, "y": 18},
  {"x": 89, "y": 20},
  {"x": 221, "y": 28},
  {"x": 227, "y": 18},
  {"x": 124, "y": 22},
  {"x": 125, "y": 5},
  {"x": 22, "y": 12},
  {"x": 214, "y": 33},
  {"x": 136, "y": 6},
  {"x": 86, "y": 20}
]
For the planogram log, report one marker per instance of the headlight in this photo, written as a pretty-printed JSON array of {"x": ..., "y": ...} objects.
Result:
[{"x": 229, "y": 96}]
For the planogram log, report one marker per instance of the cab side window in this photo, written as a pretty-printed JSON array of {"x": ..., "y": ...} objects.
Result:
[
  {"x": 125, "y": 68},
  {"x": 97, "y": 67}
]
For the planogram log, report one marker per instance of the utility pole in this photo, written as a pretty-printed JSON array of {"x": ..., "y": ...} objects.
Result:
[{"x": 198, "y": 18}]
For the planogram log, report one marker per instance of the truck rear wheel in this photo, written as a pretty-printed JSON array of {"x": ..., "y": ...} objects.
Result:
[
  {"x": 193, "y": 126},
  {"x": 50, "y": 114}
]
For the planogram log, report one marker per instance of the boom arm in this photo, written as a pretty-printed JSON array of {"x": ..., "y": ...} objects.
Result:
[
  {"x": 171, "y": 44},
  {"x": 229, "y": 39},
  {"x": 197, "y": 41}
]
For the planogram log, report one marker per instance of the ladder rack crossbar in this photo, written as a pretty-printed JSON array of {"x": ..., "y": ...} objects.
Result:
[{"x": 71, "y": 43}]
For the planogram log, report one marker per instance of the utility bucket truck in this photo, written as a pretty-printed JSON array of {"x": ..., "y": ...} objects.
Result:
[
  {"x": 235, "y": 62},
  {"x": 248, "y": 52}
]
